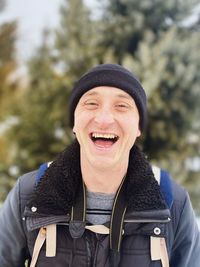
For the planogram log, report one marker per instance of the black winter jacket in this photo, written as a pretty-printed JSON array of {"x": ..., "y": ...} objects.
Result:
[{"x": 28, "y": 208}]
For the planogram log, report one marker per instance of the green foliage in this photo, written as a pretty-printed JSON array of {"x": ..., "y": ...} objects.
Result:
[
  {"x": 127, "y": 21},
  {"x": 8, "y": 95},
  {"x": 149, "y": 38},
  {"x": 75, "y": 40},
  {"x": 42, "y": 130},
  {"x": 168, "y": 72},
  {"x": 174, "y": 102},
  {"x": 7, "y": 66}
]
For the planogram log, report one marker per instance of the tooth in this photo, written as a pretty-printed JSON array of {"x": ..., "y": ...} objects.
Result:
[{"x": 100, "y": 135}]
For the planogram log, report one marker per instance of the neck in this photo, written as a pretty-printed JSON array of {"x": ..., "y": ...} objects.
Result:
[{"x": 103, "y": 180}]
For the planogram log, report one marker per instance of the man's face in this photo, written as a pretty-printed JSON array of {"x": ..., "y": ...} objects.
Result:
[{"x": 106, "y": 124}]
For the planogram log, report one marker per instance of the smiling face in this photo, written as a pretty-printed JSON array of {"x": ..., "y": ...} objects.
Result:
[{"x": 106, "y": 124}]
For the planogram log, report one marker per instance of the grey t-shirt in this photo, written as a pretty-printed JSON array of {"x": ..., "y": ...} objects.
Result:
[{"x": 99, "y": 207}]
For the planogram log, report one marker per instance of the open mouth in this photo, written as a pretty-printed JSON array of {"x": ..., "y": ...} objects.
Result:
[{"x": 104, "y": 140}]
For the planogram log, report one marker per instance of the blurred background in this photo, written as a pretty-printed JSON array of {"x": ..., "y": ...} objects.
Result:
[{"x": 46, "y": 45}]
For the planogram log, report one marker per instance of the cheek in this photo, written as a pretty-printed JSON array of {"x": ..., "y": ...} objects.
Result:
[
  {"x": 132, "y": 127},
  {"x": 81, "y": 120}
]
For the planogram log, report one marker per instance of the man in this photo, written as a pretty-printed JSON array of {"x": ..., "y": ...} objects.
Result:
[{"x": 100, "y": 202}]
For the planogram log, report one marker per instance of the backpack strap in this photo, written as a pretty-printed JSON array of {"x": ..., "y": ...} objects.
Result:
[
  {"x": 158, "y": 244},
  {"x": 164, "y": 180},
  {"x": 41, "y": 171},
  {"x": 47, "y": 233},
  {"x": 159, "y": 250}
]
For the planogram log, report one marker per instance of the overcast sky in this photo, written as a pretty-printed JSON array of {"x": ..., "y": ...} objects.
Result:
[{"x": 32, "y": 17}]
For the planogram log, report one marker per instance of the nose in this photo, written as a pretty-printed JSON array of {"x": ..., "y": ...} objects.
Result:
[{"x": 104, "y": 117}]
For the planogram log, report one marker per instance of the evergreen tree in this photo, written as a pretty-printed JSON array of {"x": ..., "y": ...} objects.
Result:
[
  {"x": 75, "y": 39},
  {"x": 168, "y": 70},
  {"x": 43, "y": 131},
  {"x": 40, "y": 134},
  {"x": 126, "y": 22},
  {"x": 150, "y": 37},
  {"x": 8, "y": 93},
  {"x": 7, "y": 66}
]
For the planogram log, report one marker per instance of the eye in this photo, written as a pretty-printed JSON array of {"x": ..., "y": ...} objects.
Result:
[
  {"x": 91, "y": 104},
  {"x": 122, "y": 106}
]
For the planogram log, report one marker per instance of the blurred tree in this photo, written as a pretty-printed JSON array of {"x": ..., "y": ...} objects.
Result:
[
  {"x": 2, "y": 4},
  {"x": 168, "y": 70},
  {"x": 126, "y": 22},
  {"x": 152, "y": 39},
  {"x": 42, "y": 130},
  {"x": 39, "y": 133},
  {"x": 7, "y": 66},
  {"x": 8, "y": 93},
  {"x": 75, "y": 39}
]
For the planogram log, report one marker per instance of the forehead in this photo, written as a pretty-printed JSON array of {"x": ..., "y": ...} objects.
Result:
[{"x": 105, "y": 91}]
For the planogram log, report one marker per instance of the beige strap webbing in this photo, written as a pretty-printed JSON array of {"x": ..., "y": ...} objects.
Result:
[
  {"x": 49, "y": 234},
  {"x": 158, "y": 244},
  {"x": 51, "y": 240},
  {"x": 159, "y": 250},
  {"x": 155, "y": 248},
  {"x": 164, "y": 254},
  {"x": 38, "y": 245},
  {"x": 98, "y": 229}
]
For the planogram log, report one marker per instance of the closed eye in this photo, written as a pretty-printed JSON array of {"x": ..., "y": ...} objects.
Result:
[
  {"x": 90, "y": 104},
  {"x": 122, "y": 106}
]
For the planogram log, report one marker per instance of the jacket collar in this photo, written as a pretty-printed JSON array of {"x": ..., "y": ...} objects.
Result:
[{"x": 56, "y": 192}]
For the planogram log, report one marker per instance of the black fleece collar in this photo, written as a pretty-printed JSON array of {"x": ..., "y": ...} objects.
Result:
[{"x": 56, "y": 192}]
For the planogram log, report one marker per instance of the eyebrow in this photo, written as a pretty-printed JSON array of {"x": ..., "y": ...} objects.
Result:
[
  {"x": 127, "y": 96},
  {"x": 91, "y": 93}
]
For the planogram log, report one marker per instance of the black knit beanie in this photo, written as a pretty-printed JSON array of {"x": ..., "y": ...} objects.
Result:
[{"x": 110, "y": 75}]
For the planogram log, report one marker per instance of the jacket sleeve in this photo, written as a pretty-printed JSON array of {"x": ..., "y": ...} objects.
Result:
[
  {"x": 186, "y": 246},
  {"x": 12, "y": 236}
]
